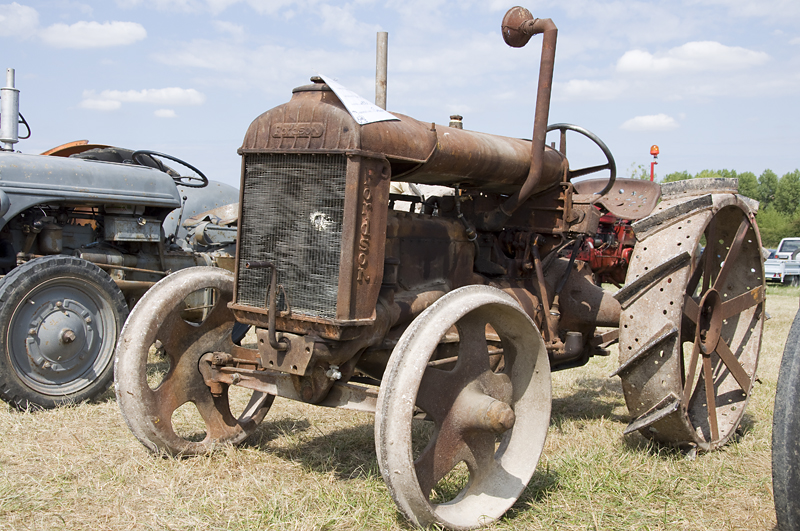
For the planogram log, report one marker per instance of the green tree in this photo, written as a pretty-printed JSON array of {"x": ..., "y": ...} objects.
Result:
[
  {"x": 639, "y": 172},
  {"x": 711, "y": 174},
  {"x": 748, "y": 184},
  {"x": 677, "y": 176},
  {"x": 773, "y": 226},
  {"x": 767, "y": 184},
  {"x": 787, "y": 193}
]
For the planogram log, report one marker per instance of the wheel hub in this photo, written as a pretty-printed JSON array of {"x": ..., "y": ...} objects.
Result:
[
  {"x": 60, "y": 336},
  {"x": 474, "y": 410},
  {"x": 709, "y": 324}
]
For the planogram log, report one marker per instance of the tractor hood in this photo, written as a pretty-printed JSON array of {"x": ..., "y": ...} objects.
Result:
[{"x": 35, "y": 179}]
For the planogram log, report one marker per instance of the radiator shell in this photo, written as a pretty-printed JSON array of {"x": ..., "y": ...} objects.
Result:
[{"x": 320, "y": 216}]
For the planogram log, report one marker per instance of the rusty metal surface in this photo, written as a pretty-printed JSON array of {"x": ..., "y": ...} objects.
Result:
[
  {"x": 628, "y": 199},
  {"x": 158, "y": 320},
  {"x": 294, "y": 359},
  {"x": 690, "y": 187},
  {"x": 535, "y": 177},
  {"x": 699, "y": 345},
  {"x": 470, "y": 406},
  {"x": 314, "y": 120}
]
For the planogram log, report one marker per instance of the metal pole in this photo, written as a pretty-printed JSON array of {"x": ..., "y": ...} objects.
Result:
[{"x": 380, "y": 69}]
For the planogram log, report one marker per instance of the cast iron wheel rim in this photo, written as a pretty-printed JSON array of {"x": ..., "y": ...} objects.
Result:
[
  {"x": 692, "y": 335},
  {"x": 147, "y": 411},
  {"x": 786, "y": 435},
  {"x": 466, "y": 405},
  {"x": 56, "y": 335}
]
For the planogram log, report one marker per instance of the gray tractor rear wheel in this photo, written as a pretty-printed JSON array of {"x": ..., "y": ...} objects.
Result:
[{"x": 60, "y": 317}]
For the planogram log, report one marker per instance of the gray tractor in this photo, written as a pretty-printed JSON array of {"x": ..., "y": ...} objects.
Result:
[{"x": 85, "y": 231}]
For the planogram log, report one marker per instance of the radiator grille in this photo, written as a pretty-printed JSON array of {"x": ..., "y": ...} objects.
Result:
[{"x": 292, "y": 216}]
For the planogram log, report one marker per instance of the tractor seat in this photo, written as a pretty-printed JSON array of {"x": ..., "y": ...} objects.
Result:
[{"x": 628, "y": 199}]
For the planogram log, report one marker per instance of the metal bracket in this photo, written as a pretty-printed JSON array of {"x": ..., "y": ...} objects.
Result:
[{"x": 294, "y": 359}]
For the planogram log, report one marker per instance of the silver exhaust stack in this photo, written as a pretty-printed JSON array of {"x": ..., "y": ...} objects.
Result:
[{"x": 9, "y": 113}]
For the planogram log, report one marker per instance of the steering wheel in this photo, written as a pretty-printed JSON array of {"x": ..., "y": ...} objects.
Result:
[
  {"x": 610, "y": 165},
  {"x": 189, "y": 181}
]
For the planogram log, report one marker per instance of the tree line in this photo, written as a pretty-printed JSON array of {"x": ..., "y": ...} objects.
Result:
[{"x": 779, "y": 214}]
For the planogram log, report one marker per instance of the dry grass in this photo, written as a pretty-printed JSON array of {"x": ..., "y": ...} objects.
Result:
[{"x": 311, "y": 468}]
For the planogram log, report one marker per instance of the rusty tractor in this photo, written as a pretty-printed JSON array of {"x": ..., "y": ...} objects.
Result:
[{"x": 447, "y": 322}]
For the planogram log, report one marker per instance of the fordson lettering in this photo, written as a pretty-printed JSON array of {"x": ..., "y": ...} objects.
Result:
[
  {"x": 298, "y": 130},
  {"x": 363, "y": 244}
]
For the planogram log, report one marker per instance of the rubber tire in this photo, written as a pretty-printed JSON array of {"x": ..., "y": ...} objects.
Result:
[
  {"x": 786, "y": 435},
  {"x": 21, "y": 386}
]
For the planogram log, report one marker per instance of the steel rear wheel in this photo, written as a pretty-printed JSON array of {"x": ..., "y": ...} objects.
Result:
[
  {"x": 60, "y": 317},
  {"x": 159, "y": 331},
  {"x": 487, "y": 410},
  {"x": 692, "y": 318}
]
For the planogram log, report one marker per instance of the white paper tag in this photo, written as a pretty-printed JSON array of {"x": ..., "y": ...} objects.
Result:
[{"x": 362, "y": 111}]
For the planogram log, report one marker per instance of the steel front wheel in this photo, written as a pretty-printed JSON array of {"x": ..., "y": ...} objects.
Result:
[
  {"x": 60, "y": 318},
  {"x": 159, "y": 382},
  {"x": 486, "y": 406},
  {"x": 692, "y": 317}
]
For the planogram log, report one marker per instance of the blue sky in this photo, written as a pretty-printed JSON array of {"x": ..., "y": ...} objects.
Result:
[{"x": 713, "y": 82}]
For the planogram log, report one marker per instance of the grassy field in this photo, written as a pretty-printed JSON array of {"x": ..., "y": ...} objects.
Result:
[{"x": 310, "y": 468}]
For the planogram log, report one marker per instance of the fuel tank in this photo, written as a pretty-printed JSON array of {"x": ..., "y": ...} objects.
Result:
[{"x": 315, "y": 121}]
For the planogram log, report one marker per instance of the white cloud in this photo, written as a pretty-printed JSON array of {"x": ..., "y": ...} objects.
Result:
[
  {"x": 165, "y": 113},
  {"x": 100, "y": 105},
  {"x": 17, "y": 20},
  {"x": 110, "y": 100},
  {"x": 214, "y": 6},
  {"x": 341, "y": 23},
  {"x": 583, "y": 89},
  {"x": 693, "y": 56},
  {"x": 165, "y": 96},
  {"x": 653, "y": 122},
  {"x": 234, "y": 30},
  {"x": 93, "y": 34},
  {"x": 796, "y": 40}
]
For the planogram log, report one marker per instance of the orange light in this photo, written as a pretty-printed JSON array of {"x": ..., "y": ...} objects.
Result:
[{"x": 654, "y": 150}]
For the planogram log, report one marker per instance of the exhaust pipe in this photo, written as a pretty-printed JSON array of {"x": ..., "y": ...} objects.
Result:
[
  {"x": 9, "y": 113},
  {"x": 381, "y": 61},
  {"x": 518, "y": 27}
]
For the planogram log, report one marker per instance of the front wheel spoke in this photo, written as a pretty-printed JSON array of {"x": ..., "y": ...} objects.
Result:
[
  {"x": 441, "y": 456},
  {"x": 219, "y": 314},
  {"x": 742, "y": 302},
  {"x": 733, "y": 365},
  {"x": 432, "y": 396},
  {"x": 176, "y": 334},
  {"x": 216, "y": 415},
  {"x": 711, "y": 399},
  {"x": 480, "y": 458},
  {"x": 732, "y": 256},
  {"x": 168, "y": 397},
  {"x": 473, "y": 350}
]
